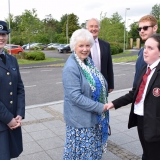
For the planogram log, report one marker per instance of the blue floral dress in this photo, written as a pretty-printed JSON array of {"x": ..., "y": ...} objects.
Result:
[{"x": 89, "y": 143}]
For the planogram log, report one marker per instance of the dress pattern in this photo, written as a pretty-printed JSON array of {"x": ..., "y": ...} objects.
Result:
[
  {"x": 89, "y": 143},
  {"x": 83, "y": 143}
]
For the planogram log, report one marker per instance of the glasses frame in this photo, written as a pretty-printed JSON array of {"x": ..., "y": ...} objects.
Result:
[{"x": 145, "y": 28}]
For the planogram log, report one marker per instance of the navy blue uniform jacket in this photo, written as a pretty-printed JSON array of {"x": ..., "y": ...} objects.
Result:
[{"x": 12, "y": 97}]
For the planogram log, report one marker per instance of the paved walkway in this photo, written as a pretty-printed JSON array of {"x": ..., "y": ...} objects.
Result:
[{"x": 44, "y": 133}]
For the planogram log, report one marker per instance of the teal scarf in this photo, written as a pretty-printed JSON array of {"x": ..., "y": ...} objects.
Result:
[{"x": 99, "y": 93}]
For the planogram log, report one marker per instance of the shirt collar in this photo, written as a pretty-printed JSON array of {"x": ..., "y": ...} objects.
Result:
[
  {"x": 96, "y": 40},
  {"x": 154, "y": 65}
]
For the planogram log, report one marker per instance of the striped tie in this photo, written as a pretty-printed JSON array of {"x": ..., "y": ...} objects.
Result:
[{"x": 142, "y": 86}]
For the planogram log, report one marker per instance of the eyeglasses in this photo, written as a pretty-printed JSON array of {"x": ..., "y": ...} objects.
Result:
[{"x": 144, "y": 28}]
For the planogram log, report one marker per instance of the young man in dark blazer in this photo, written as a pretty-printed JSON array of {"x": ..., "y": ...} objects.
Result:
[
  {"x": 145, "y": 99},
  {"x": 147, "y": 25},
  {"x": 104, "y": 58}
]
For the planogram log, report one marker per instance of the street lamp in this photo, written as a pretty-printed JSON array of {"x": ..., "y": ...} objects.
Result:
[
  {"x": 9, "y": 23},
  {"x": 67, "y": 29},
  {"x": 125, "y": 29},
  {"x": 127, "y": 33}
]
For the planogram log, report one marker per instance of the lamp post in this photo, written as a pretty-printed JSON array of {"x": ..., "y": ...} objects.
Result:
[
  {"x": 125, "y": 29},
  {"x": 67, "y": 29},
  {"x": 127, "y": 34},
  {"x": 9, "y": 24}
]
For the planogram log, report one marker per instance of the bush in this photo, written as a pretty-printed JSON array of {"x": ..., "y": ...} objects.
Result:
[
  {"x": 116, "y": 48},
  {"x": 35, "y": 55},
  {"x": 52, "y": 48},
  {"x": 20, "y": 56}
]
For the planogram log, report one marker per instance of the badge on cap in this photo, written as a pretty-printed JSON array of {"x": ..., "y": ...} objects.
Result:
[
  {"x": 156, "y": 92},
  {"x": 1, "y": 27}
]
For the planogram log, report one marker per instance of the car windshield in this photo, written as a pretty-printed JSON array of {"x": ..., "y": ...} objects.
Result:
[{"x": 66, "y": 45}]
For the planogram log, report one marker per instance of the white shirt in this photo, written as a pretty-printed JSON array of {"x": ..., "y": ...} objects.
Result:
[
  {"x": 99, "y": 55},
  {"x": 139, "y": 107}
]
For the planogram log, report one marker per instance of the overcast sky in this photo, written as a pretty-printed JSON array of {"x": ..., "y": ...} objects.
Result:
[{"x": 84, "y": 9}]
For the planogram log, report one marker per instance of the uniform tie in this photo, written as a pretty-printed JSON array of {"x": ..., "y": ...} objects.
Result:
[
  {"x": 142, "y": 86},
  {"x": 95, "y": 57},
  {"x": 3, "y": 58}
]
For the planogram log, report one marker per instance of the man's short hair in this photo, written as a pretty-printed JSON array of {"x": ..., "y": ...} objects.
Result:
[
  {"x": 95, "y": 19},
  {"x": 149, "y": 18}
]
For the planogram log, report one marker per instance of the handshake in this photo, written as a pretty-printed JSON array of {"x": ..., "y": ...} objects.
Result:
[{"x": 108, "y": 106}]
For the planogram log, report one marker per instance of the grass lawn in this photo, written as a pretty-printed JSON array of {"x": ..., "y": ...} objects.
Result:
[
  {"x": 25, "y": 61},
  {"x": 125, "y": 59},
  {"x": 115, "y": 60},
  {"x": 123, "y": 53}
]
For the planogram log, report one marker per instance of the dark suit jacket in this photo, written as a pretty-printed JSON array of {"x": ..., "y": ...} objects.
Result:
[
  {"x": 106, "y": 63},
  {"x": 151, "y": 107}
]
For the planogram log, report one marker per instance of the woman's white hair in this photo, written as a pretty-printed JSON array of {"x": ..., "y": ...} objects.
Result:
[{"x": 81, "y": 35}]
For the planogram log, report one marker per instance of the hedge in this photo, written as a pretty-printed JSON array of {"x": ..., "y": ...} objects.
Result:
[{"x": 116, "y": 48}]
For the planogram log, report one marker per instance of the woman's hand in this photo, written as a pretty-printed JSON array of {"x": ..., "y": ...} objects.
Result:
[
  {"x": 110, "y": 105},
  {"x": 13, "y": 124}
]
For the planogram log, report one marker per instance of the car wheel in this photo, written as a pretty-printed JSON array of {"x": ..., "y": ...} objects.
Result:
[
  {"x": 19, "y": 52},
  {"x": 64, "y": 51}
]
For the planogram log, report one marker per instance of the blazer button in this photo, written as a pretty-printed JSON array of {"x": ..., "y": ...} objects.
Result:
[
  {"x": 11, "y": 102},
  {"x": 8, "y": 73},
  {"x": 10, "y": 83},
  {"x": 11, "y": 93}
]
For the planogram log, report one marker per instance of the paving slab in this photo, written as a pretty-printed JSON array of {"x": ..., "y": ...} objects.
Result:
[{"x": 44, "y": 133}]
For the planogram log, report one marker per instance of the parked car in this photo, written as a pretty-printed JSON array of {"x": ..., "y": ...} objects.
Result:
[
  {"x": 24, "y": 46},
  {"x": 14, "y": 49},
  {"x": 64, "y": 49},
  {"x": 54, "y": 45},
  {"x": 30, "y": 45},
  {"x": 61, "y": 46}
]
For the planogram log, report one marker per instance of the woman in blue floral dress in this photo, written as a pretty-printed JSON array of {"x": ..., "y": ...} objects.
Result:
[{"x": 85, "y": 98}]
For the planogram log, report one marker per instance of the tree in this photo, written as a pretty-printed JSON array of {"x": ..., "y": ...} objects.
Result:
[
  {"x": 72, "y": 24},
  {"x": 63, "y": 21},
  {"x": 133, "y": 33},
  {"x": 115, "y": 18},
  {"x": 30, "y": 25},
  {"x": 156, "y": 11},
  {"x": 111, "y": 28},
  {"x": 51, "y": 27}
]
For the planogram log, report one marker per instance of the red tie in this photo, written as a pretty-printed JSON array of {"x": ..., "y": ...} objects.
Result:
[{"x": 142, "y": 86}]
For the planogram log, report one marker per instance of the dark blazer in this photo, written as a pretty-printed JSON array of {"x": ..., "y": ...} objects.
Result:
[
  {"x": 12, "y": 96},
  {"x": 151, "y": 106},
  {"x": 140, "y": 63},
  {"x": 106, "y": 63}
]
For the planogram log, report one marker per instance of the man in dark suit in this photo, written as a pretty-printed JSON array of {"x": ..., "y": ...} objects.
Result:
[
  {"x": 12, "y": 101},
  {"x": 145, "y": 99},
  {"x": 100, "y": 53}
]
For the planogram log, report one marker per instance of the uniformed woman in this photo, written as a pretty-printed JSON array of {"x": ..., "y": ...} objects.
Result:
[{"x": 12, "y": 101}]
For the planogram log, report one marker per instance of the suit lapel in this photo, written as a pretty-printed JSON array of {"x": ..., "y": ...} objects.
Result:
[
  {"x": 8, "y": 63},
  {"x": 153, "y": 78},
  {"x": 100, "y": 47}
]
